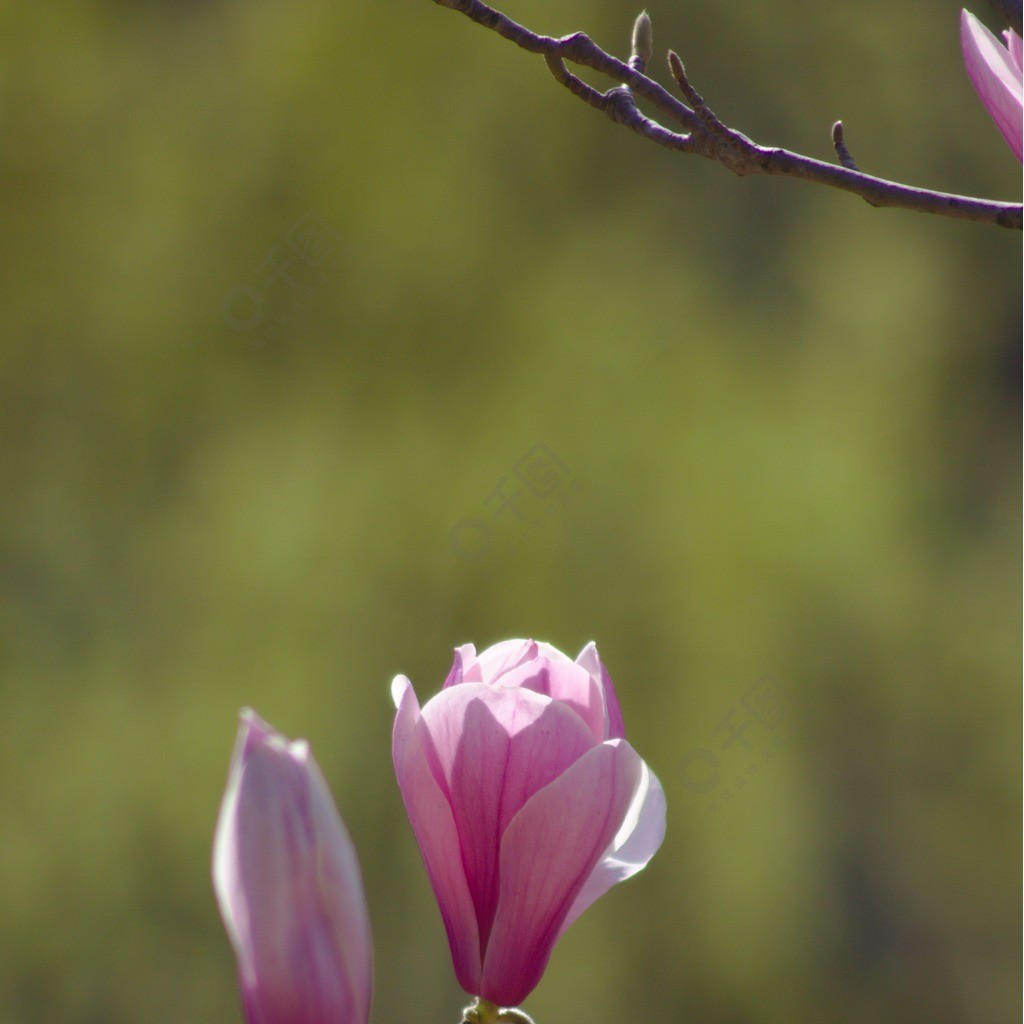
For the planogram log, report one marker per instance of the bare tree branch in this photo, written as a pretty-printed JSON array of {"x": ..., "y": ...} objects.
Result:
[{"x": 703, "y": 133}]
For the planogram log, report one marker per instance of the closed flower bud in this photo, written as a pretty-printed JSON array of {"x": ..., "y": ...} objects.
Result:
[{"x": 289, "y": 889}]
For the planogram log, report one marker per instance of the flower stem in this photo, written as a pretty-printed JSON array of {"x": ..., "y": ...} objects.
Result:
[{"x": 484, "y": 1012}]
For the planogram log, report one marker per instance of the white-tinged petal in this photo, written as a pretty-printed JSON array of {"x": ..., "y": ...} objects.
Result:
[{"x": 636, "y": 842}]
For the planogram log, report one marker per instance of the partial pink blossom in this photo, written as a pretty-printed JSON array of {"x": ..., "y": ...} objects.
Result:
[
  {"x": 289, "y": 889},
  {"x": 527, "y": 803},
  {"x": 996, "y": 69}
]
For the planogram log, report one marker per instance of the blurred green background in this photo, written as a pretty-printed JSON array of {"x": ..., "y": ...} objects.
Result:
[{"x": 336, "y": 334}]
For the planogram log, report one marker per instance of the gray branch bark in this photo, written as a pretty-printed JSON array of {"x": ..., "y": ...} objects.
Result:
[{"x": 704, "y": 134}]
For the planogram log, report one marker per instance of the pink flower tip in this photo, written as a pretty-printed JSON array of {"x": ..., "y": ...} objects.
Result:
[
  {"x": 997, "y": 71},
  {"x": 289, "y": 889},
  {"x": 527, "y": 803}
]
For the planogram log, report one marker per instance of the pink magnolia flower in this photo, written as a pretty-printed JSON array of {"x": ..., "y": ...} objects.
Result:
[
  {"x": 996, "y": 71},
  {"x": 527, "y": 803},
  {"x": 288, "y": 884}
]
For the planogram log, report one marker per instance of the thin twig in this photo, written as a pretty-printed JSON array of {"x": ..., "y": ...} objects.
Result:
[
  {"x": 705, "y": 134},
  {"x": 839, "y": 141}
]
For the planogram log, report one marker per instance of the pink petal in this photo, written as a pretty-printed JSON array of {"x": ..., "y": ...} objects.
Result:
[
  {"x": 564, "y": 681},
  {"x": 465, "y": 668},
  {"x": 996, "y": 75},
  {"x": 505, "y": 656},
  {"x": 1015, "y": 45},
  {"x": 434, "y": 827},
  {"x": 496, "y": 660},
  {"x": 636, "y": 842},
  {"x": 494, "y": 748},
  {"x": 547, "y": 853},
  {"x": 590, "y": 660}
]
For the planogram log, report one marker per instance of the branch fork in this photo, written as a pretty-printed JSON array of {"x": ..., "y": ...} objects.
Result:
[{"x": 702, "y": 132}]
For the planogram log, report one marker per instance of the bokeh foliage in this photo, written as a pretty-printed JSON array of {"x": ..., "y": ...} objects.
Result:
[{"x": 789, "y": 425}]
